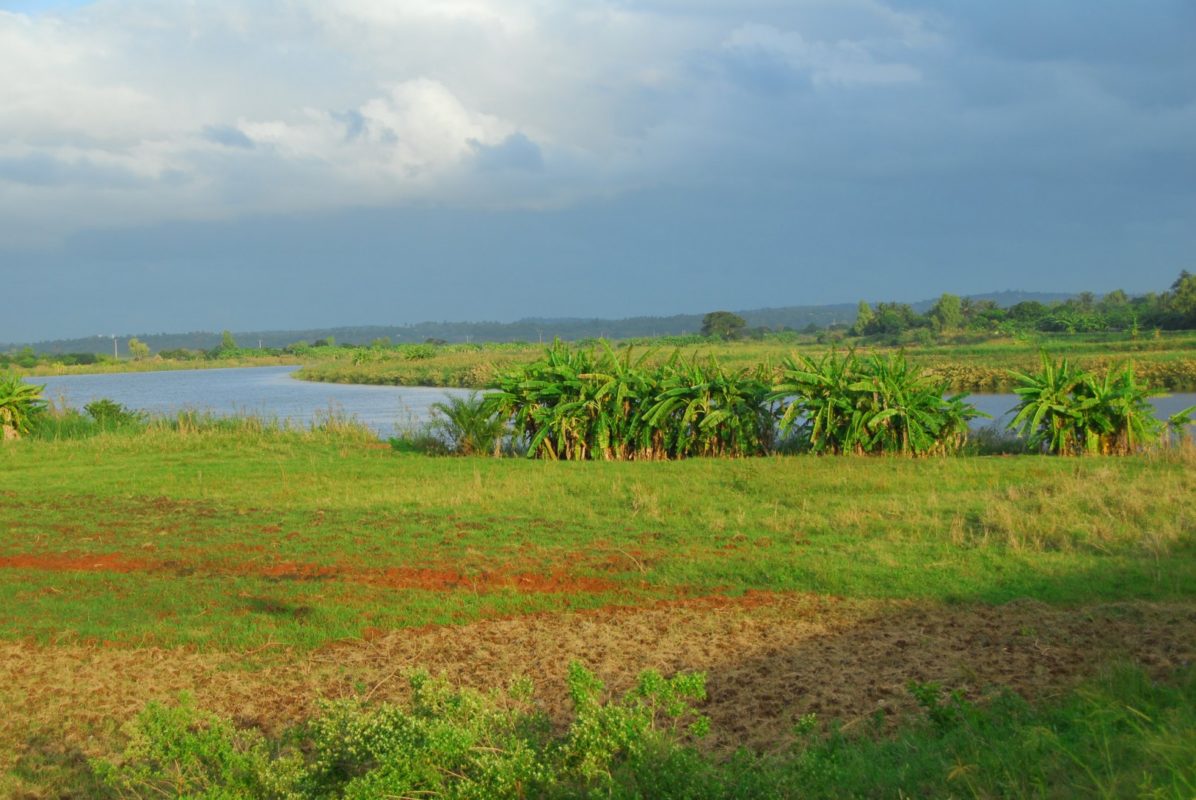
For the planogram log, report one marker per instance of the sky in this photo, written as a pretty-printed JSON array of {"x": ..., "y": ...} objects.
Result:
[{"x": 274, "y": 164}]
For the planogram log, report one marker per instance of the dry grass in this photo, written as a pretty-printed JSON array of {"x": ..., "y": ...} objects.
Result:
[
  {"x": 1079, "y": 512},
  {"x": 770, "y": 659}
]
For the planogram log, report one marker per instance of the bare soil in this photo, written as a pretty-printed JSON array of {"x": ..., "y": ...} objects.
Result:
[
  {"x": 431, "y": 579},
  {"x": 769, "y": 658}
]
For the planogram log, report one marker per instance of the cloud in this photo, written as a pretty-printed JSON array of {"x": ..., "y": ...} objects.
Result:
[
  {"x": 227, "y": 135},
  {"x": 514, "y": 152},
  {"x": 130, "y": 112}
]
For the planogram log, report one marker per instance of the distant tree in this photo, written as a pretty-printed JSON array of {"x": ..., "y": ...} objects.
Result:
[
  {"x": 227, "y": 342},
  {"x": 893, "y": 318},
  {"x": 1114, "y": 299},
  {"x": 863, "y": 318},
  {"x": 327, "y": 341},
  {"x": 1180, "y": 300},
  {"x": 138, "y": 349},
  {"x": 381, "y": 341},
  {"x": 947, "y": 313},
  {"x": 1028, "y": 311},
  {"x": 723, "y": 324}
]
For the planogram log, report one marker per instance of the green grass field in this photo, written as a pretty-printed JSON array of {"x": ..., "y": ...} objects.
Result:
[
  {"x": 1167, "y": 362},
  {"x": 262, "y": 570}
]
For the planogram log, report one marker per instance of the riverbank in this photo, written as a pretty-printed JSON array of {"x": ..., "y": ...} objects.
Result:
[
  {"x": 157, "y": 364},
  {"x": 1167, "y": 363}
]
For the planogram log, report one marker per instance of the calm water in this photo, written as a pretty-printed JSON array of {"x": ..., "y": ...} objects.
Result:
[
  {"x": 264, "y": 391},
  {"x": 999, "y": 406},
  {"x": 272, "y": 392}
]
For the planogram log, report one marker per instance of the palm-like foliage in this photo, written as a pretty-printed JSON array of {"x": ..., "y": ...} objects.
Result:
[
  {"x": 468, "y": 425},
  {"x": 20, "y": 402},
  {"x": 1071, "y": 412},
  {"x": 702, "y": 410},
  {"x": 587, "y": 404},
  {"x": 844, "y": 404},
  {"x": 1047, "y": 415}
]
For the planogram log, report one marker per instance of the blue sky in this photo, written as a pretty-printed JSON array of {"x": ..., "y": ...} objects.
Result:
[{"x": 175, "y": 166}]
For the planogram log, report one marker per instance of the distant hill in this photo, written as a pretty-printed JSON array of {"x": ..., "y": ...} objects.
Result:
[{"x": 530, "y": 329}]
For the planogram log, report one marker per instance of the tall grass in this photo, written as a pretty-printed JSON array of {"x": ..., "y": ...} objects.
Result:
[{"x": 107, "y": 418}]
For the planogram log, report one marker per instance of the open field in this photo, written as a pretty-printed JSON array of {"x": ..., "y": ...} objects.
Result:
[
  {"x": 970, "y": 363},
  {"x": 1166, "y": 362},
  {"x": 263, "y": 571},
  {"x": 157, "y": 365}
]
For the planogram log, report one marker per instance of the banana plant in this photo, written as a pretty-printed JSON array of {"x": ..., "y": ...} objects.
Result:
[
  {"x": 1048, "y": 415},
  {"x": 1068, "y": 411},
  {"x": 842, "y": 404},
  {"x": 20, "y": 403}
]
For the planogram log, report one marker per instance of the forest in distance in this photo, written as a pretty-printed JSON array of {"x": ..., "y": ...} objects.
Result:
[{"x": 994, "y": 314}]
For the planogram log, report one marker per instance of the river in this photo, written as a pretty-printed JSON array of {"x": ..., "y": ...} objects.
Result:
[{"x": 272, "y": 392}]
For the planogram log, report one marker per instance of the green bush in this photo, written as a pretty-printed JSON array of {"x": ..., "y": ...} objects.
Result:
[
  {"x": 20, "y": 405},
  {"x": 110, "y": 415},
  {"x": 468, "y": 426},
  {"x": 448, "y": 743}
]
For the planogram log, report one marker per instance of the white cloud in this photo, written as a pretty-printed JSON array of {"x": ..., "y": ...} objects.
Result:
[{"x": 227, "y": 107}]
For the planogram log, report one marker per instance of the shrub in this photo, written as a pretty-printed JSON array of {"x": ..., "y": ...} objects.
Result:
[
  {"x": 448, "y": 743},
  {"x": 20, "y": 405},
  {"x": 110, "y": 415},
  {"x": 468, "y": 425}
]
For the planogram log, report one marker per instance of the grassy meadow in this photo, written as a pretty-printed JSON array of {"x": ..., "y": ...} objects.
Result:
[
  {"x": 261, "y": 570},
  {"x": 969, "y": 363}
]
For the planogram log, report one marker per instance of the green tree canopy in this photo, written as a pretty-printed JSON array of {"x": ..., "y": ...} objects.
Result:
[
  {"x": 138, "y": 349},
  {"x": 1180, "y": 300},
  {"x": 723, "y": 324},
  {"x": 863, "y": 318},
  {"x": 947, "y": 313}
]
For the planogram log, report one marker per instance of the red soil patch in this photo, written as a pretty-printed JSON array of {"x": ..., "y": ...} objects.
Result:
[
  {"x": 556, "y": 582},
  {"x": 529, "y": 583},
  {"x": 60, "y": 562}
]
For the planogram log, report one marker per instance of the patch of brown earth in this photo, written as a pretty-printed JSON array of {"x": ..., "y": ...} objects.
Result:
[
  {"x": 769, "y": 659},
  {"x": 558, "y": 581},
  {"x": 61, "y": 562}
]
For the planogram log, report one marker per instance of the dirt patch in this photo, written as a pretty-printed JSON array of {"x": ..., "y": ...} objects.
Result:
[
  {"x": 527, "y": 582},
  {"x": 430, "y": 579},
  {"x": 769, "y": 659},
  {"x": 60, "y": 562}
]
